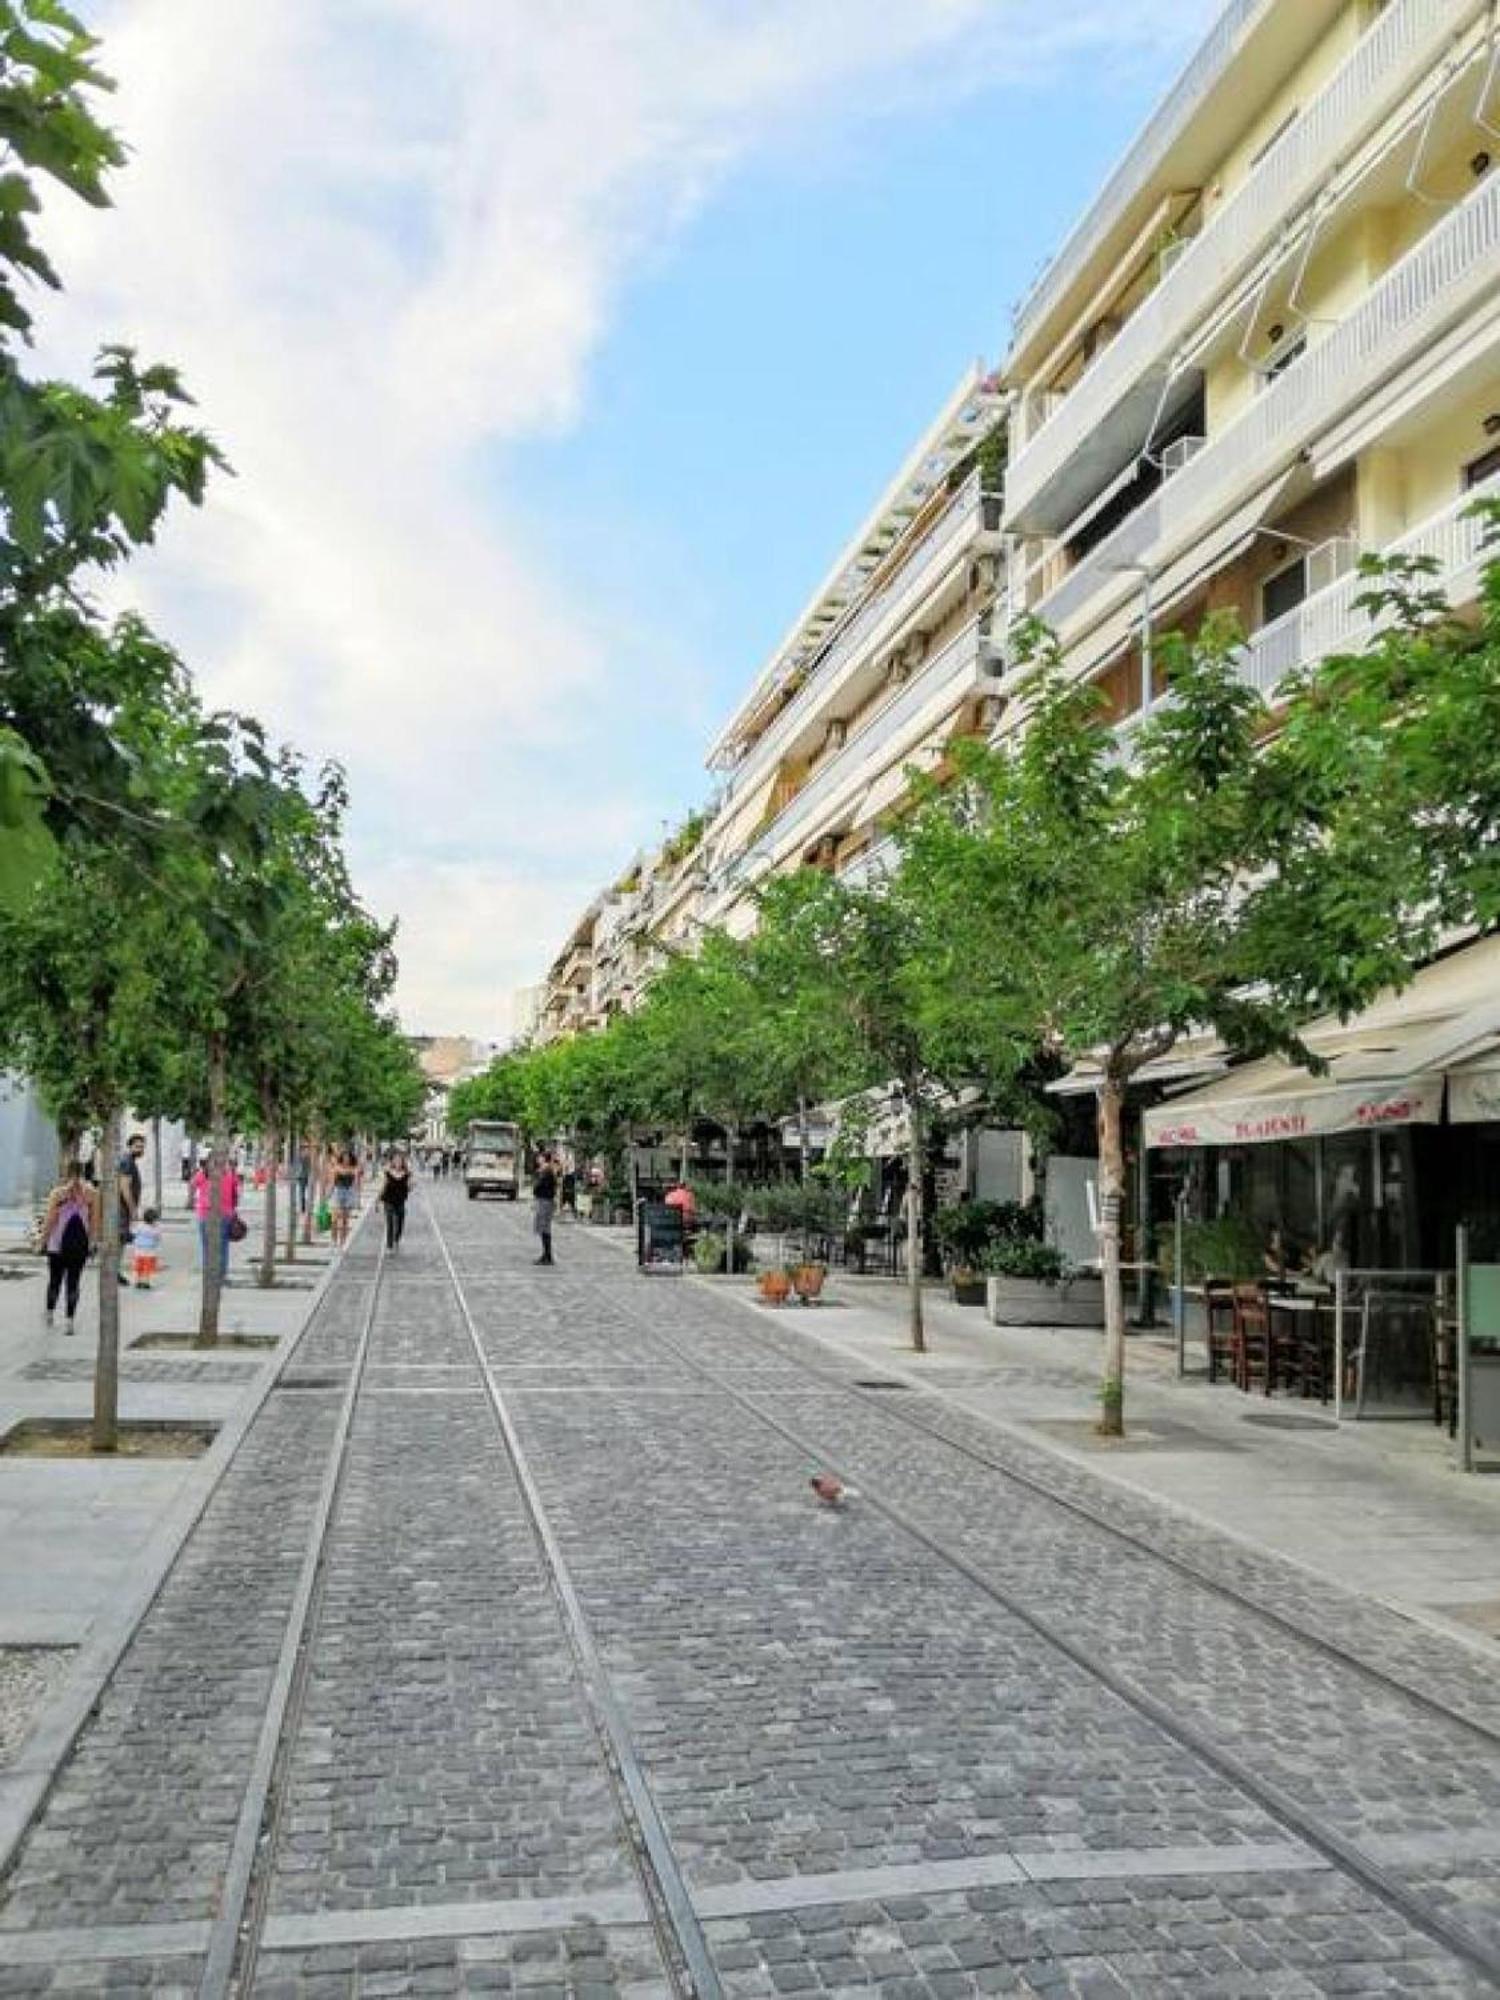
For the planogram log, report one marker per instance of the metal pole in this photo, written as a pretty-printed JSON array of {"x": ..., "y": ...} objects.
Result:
[
  {"x": 1148, "y": 690},
  {"x": 1461, "y": 1352},
  {"x": 1179, "y": 1294},
  {"x": 1339, "y": 1287}
]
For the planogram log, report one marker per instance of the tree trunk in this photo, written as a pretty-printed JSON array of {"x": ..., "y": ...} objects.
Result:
[
  {"x": 915, "y": 1155},
  {"x": 731, "y": 1140},
  {"x": 157, "y": 1195},
  {"x": 804, "y": 1136},
  {"x": 271, "y": 1148},
  {"x": 213, "y": 1230},
  {"x": 105, "y": 1434},
  {"x": 687, "y": 1148},
  {"x": 314, "y": 1177},
  {"x": 293, "y": 1151},
  {"x": 1111, "y": 1197}
]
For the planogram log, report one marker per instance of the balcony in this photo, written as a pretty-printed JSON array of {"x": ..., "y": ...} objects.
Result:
[
  {"x": 898, "y": 729},
  {"x": 1096, "y": 429},
  {"x": 970, "y": 523},
  {"x": 861, "y": 871},
  {"x": 1142, "y": 161},
  {"x": 1334, "y": 621},
  {"x": 1440, "y": 279}
]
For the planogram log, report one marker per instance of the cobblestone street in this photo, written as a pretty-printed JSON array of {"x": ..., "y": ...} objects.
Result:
[{"x": 513, "y": 1653}]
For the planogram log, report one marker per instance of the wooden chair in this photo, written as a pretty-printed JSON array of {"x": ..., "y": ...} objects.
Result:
[
  {"x": 1218, "y": 1314},
  {"x": 1315, "y": 1354},
  {"x": 1252, "y": 1338}
]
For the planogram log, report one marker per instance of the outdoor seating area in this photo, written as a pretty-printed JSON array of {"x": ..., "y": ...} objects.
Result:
[{"x": 1380, "y": 1344}]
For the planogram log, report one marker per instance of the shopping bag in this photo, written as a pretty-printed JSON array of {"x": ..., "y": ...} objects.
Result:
[{"x": 324, "y": 1216}]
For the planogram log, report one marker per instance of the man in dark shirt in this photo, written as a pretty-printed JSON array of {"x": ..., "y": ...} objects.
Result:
[
  {"x": 130, "y": 1191},
  {"x": 544, "y": 1203}
]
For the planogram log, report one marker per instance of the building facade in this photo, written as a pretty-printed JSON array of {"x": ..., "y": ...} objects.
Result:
[{"x": 1270, "y": 346}]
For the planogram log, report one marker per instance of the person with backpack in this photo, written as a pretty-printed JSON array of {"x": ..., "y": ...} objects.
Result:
[{"x": 68, "y": 1231}]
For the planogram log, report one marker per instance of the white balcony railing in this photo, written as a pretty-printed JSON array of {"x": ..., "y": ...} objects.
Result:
[
  {"x": 962, "y": 663},
  {"x": 1141, "y": 162},
  {"x": 1453, "y": 266},
  {"x": 970, "y": 515},
  {"x": 1335, "y": 621},
  {"x": 1378, "y": 74}
]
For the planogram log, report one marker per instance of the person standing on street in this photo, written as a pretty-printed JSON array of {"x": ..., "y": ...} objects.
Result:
[
  {"x": 68, "y": 1231},
  {"x": 544, "y": 1203},
  {"x": 229, "y": 1204},
  {"x": 393, "y": 1193},
  {"x": 129, "y": 1181},
  {"x": 343, "y": 1193}
]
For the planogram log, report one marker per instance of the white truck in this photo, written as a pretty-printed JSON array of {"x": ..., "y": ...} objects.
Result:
[{"x": 492, "y": 1159}]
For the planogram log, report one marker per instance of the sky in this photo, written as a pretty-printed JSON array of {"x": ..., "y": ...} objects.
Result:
[{"x": 558, "y": 346}]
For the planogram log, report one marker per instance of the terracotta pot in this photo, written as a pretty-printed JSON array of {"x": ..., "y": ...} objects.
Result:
[
  {"x": 808, "y": 1280},
  {"x": 774, "y": 1287}
]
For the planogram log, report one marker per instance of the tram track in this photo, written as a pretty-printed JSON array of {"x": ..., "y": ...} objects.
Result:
[
  {"x": 905, "y": 1417},
  {"x": 1313, "y": 1830},
  {"x": 246, "y": 1907}
]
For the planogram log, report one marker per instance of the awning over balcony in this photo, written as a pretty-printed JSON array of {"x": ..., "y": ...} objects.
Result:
[{"x": 1391, "y": 1066}]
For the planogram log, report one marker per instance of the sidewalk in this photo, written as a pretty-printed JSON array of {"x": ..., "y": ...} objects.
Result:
[{"x": 74, "y": 1532}]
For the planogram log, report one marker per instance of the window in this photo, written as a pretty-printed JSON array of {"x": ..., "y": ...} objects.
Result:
[
  {"x": 1284, "y": 591},
  {"x": 1478, "y": 470}
]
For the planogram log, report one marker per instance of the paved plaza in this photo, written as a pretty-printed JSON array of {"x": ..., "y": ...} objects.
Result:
[{"x": 512, "y": 1652}]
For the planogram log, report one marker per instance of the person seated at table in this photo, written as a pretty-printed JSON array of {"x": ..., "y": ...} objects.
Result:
[
  {"x": 1325, "y": 1265},
  {"x": 680, "y": 1196}
]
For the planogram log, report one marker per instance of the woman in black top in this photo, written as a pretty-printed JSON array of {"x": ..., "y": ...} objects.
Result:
[{"x": 394, "y": 1190}]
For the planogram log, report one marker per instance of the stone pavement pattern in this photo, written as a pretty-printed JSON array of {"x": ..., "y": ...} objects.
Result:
[{"x": 875, "y": 1776}]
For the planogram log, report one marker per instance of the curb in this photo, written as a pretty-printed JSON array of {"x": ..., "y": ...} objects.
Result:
[{"x": 27, "y": 1780}]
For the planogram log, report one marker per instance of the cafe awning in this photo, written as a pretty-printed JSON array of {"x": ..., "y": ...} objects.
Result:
[{"x": 1390, "y": 1066}]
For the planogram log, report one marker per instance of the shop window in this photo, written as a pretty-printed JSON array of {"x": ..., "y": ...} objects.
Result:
[
  {"x": 1284, "y": 591},
  {"x": 1478, "y": 470}
]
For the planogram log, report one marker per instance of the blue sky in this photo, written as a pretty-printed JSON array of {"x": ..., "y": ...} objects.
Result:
[{"x": 558, "y": 349}]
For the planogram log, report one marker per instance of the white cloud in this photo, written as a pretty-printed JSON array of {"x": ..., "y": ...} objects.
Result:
[{"x": 385, "y": 238}]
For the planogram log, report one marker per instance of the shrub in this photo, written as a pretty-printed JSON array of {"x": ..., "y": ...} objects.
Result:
[
  {"x": 1231, "y": 1247},
  {"x": 1025, "y": 1257}
]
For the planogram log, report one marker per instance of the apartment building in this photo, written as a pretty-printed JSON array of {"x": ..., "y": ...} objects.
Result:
[
  {"x": 1272, "y": 343},
  {"x": 568, "y": 1004},
  {"x": 893, "y": 656}
]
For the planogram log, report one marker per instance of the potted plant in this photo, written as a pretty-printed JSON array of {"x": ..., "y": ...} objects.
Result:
[
  {"x": 774, "y": 1285},
  {"x": 807, "y": 1281},
  {"x": 967, "y": 1286},
  {"x": 1229, "y": 1249},
  {"x": 1033, "y": 1284}
]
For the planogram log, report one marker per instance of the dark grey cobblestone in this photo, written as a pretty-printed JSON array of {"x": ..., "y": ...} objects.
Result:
[
  {"x": 1292, "y": 1937},
  {"x": 103, "y": 1979},
  {"x": 584, "y": 1962},
  {"x": 446, "y": 1752},
  {"x": 811, "y": 1692}
]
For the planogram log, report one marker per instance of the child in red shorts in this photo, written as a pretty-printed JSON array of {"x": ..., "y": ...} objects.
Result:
[{"x": 145, "y": 1248}]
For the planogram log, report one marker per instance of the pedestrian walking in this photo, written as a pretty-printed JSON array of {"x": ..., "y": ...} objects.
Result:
[
  {"x": 343, "y": 1193},
  {"x": 68, "y": 1230},
  {"x": 229, "y": 1209},
  {"x": 544, "y": 1203},
  {"x": 145, "y": 1250},
  {"x": 393, "y": 1194},
  {"x": 128, "y": 1181},
  {"x": 304, "y": 1178}
]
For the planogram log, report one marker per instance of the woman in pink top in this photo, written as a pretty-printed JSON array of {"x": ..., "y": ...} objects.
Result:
[
  {"x": 229, "y": 1201},
  {"x": 68, "y": 1231}
]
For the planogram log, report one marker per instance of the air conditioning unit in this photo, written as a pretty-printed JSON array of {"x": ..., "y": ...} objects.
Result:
[{"x": 1180, "y": 452}]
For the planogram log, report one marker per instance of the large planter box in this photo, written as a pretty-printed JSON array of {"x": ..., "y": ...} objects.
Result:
[
  {"x": 968, "y": 1291},
  {"x": 1033, "y": 1302}
]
